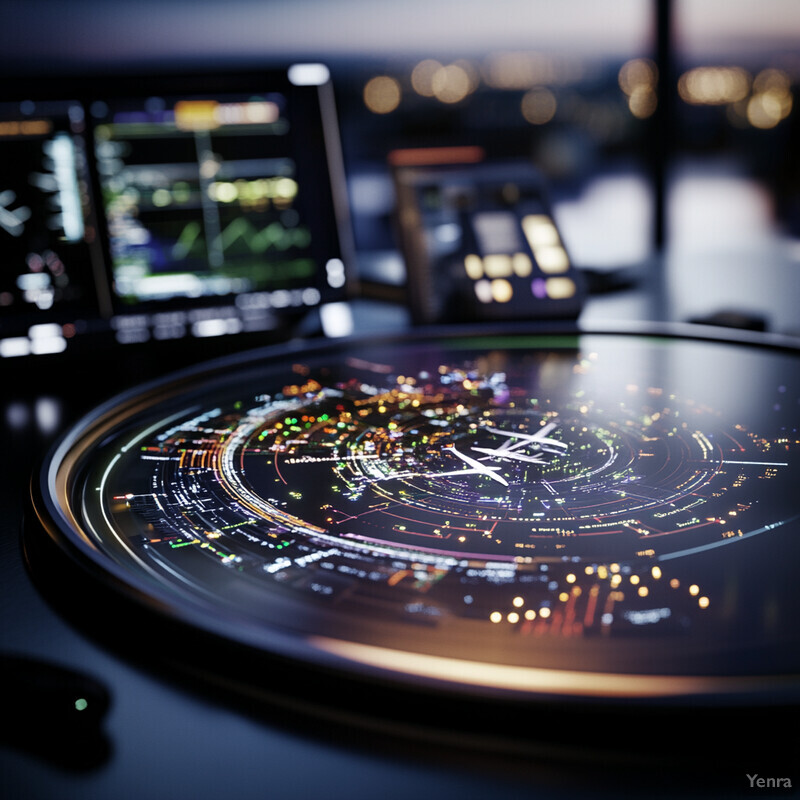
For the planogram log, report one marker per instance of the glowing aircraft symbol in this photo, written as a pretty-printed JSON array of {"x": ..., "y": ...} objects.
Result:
[
  {"x": 474, "y": 468},
  {"x": 501, "y": 453},
  {"x": 538, "y": 440},
  {"x": 506, "y": 451}
]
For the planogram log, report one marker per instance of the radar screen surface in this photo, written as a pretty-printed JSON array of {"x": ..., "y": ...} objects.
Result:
[{"x": 531, "y": 515}]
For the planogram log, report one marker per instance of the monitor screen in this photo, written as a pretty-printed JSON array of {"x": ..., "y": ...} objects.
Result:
[
  {"x": 47, "y": 276},
  {"x": 145, "y": 209}
]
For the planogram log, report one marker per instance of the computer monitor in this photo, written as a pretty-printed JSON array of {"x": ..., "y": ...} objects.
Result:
[{"x": 148, "y": 208}]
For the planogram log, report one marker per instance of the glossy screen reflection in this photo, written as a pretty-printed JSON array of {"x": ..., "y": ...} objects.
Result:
[{"x": 517, "y": 512}]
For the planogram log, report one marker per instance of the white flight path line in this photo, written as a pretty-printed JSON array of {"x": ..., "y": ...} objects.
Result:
[{"x": 756, "y": 463}]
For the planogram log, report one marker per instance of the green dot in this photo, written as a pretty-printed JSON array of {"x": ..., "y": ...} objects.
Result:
[{"x": 81, "y": 703}]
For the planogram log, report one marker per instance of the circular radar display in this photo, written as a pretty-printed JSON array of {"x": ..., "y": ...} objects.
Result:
[{"x": 592, "y": 514}]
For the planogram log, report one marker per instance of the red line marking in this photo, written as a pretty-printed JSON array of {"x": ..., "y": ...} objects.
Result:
[
  {"x": 425, "y": 156},
  {"x": 277, "y": 468}
]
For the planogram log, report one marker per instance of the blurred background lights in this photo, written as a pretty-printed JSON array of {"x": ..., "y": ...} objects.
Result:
[
  {"x": 521, "y": 70},
  {"x": 642, "y": 103},
  {"x": 382, "y": 94},
  {"x": 450, "y": 84},
  {"x": 638, "y": 79},
  {"x": 772, "y": 80},
  {"x": 471, "y": 71},
  {"x": 714, "y": 86},
  {"x": 766, "y": 111},
  {"x": 636, "y": 73},
  {"x": 510, "y": 71},
  {"x": 422, "y": 76},
  {"x": 538, "y": 106},
  {"x": 771, "y": 100}
]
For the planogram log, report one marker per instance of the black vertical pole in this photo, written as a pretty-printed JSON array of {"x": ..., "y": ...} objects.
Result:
[{"x": 662, "y": 130}]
